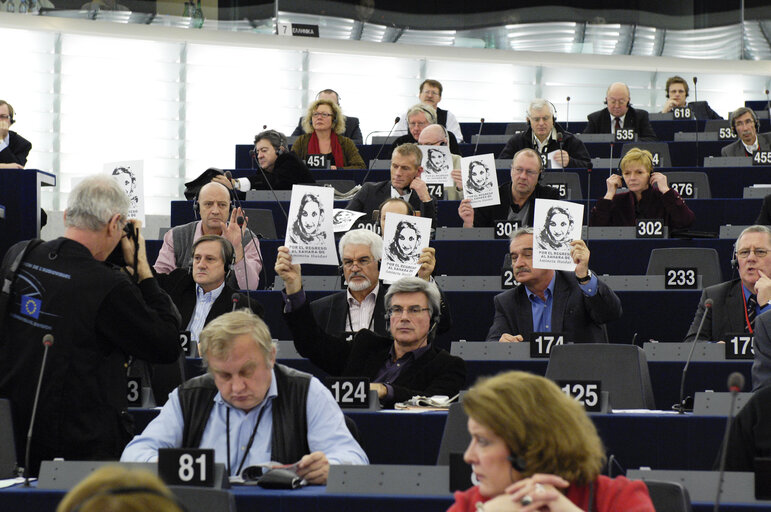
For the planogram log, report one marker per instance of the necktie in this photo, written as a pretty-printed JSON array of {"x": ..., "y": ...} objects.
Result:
[
  {"x": 618, "y": 124},
  {"x": 752, "y": 303}
]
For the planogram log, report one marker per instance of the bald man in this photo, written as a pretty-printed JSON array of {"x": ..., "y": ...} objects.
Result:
[
  {"x": 619, "y": 115},
  {"x": 436, "y": 135},
  {"x": 218, "y": 217}
]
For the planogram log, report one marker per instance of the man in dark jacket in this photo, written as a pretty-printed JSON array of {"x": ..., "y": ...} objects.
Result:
[
  {"x": 13, "y": 147},
  {"x": 546, "y": 137},
  {"x": 98, "y": 318},
  {"x": 398, "y": 368},
  {"x": 620, "y": 115}
]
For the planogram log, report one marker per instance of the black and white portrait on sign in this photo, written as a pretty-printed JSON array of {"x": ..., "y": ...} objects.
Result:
[
  {"x": 307, "y": 225},
  {"x": 130, "y": 177},
  {"x": 404, "y": 238},
  {"x": 405, "y": 245},
  {"x": 437, "y": 164},
  {"x": 557, "y": 224},
  {"x": 557, "y": 229},
  {"x": 480, "y": 180},
  {"x": 342, "y": 220},
  {"x": 309, "y": 233}
]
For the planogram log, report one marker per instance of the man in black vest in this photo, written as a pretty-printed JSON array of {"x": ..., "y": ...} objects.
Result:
[
  {"x": 98, "y": 318},
  {"x": 263, "y": 411}
]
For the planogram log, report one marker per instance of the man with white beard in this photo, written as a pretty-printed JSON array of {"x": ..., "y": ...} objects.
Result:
[{"x": 361, "y": 305}]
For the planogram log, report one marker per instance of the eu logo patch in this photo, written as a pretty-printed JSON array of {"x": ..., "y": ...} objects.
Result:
[{"x": 30, "y": 306}]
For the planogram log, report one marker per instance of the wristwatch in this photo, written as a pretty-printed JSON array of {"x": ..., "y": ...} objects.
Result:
[{"x": 585, "y": 279}]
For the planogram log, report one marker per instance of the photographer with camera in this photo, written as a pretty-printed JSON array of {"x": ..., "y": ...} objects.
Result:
[{"x": 98, "y": 317}]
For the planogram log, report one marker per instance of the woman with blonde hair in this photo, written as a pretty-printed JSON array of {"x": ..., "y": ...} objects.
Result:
[
  {"x": 117, "y": 489},
  {"x": 649, "y": 196},
  {"x": 534, "y": 448},
  {"x": 324, "y": 124}
]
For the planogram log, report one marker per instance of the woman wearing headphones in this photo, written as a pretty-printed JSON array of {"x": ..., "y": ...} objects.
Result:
[
  {"x": 324, "y": 124},
  {"x": 649, "y": 196},
  {"x": 534, "y": 448}
]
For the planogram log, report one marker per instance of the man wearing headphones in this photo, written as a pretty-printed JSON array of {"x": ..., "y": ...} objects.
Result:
[
  {"x": 576, "y": 303},
  {"x": 214, "y": 206},
  {"x": 352, "y": 130},
  {"x": 282, "y": 168},
  {"x": 201, "y": 293},
  {"x": 745, "y": 123},
  {"x": 736, "y": 303},
  {"x": 546, "y": 136},
  {"x": 620, "y": 115},
  {"x": 419, "y": 117},
  {"x": 13, "y": 147},
  {"x": 399, "y": 367},
  {"x": 517, "y": 197},
  {"x": 677, "y": 92}
]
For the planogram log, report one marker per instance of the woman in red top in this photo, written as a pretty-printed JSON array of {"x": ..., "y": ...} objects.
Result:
[
  {"x": 534, "y": 448},
  {"x": 324, "y": 124}
]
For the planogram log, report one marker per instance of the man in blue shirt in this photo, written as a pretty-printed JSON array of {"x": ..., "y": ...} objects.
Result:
[
  {"x": 250, "y": 409},
  {"x": 574, "y": 303}
]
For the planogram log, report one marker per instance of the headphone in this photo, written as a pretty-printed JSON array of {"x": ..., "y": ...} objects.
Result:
[
  {"x": 740, "y": 112},
  {"x": 517, "y": 462},
  {"x": 430, "y": 116},
  {"x": 276, "y": 139},
  {"x": 553, "y": 112},
  {"x": 118, "y": 491},
  {"x": 197, "y": 206},
  {"x": 628, "y": 93},
  {"x": 229, "y": 253},
  {"x": 10, "y": 111}
]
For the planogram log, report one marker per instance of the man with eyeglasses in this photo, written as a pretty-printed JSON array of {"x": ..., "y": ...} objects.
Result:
[
  {"x": 430, "y": 93},
  {"x": 13, "y": 147},
  {"x": 620, "y": 115},
  {"x": 546, "y": 137},
  {"x": 419, "y": 117},
  {"x": 576, "y": 303},
  {"x": 399, "y": 367},
  {"x": 737, "y": 303},
  {"x": 517, "y": 197}
]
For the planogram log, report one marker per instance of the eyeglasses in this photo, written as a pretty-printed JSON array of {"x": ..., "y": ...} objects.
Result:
[
  {"x": 519, "y": 170},
  {"x": 745, "y": 253},
  {"x": 321, "y": 114},
  {"x": 5, "y": 117},
  {"x": 361, "y": 262},
  {"x": 410, "y": 311},
  {"x": 431, "y": 93},
  {"x": 417, "y": 124}
]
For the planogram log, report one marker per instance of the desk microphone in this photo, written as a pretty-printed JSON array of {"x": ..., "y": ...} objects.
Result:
[
  {"x": 610, "y": 162},
  {"x": 235, "y": 299},
  {"x": 589, "y": 168},
  {"x": 735, "y": 384},
  {"x": 681, "y": 404},
  {"x": 768, "y": 104},
  {"x": 240, "y": 221},
  {"x": 567, "y": 115},
  {"x": 559, "y": 139},
  {"x": 48, "y": 340},
  {"x": 479, "y": 133},
  {"x": 372, "y": 163},
  {"x": 693, "y": 113}
]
